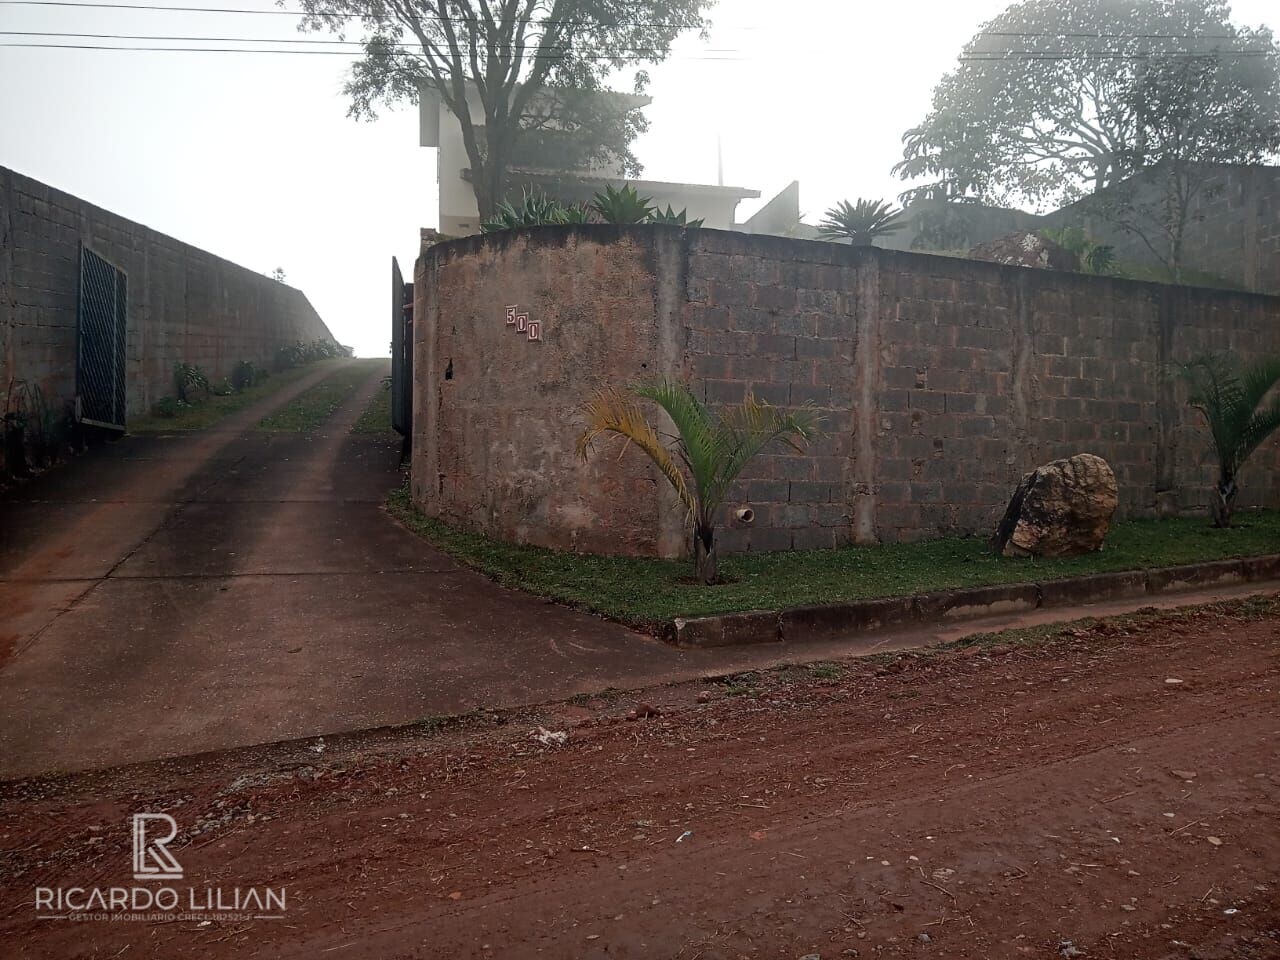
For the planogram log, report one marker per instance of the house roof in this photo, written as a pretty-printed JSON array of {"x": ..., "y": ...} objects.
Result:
[{"x": 655, "y": 186}]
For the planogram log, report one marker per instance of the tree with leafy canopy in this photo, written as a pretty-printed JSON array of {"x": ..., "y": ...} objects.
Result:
[
  {"x": 1053, "y": 100},
  {"x": 1197, "y": 112},
  {"x": 537, "y": 68}
]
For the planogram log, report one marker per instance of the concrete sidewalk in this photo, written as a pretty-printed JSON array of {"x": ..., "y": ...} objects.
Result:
[{"x": 170, "y": 595}]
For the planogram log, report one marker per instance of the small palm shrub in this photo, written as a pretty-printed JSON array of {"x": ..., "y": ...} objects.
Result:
[
  {"x": 860, "y": 222},
  {"x": 189, "y": 380},
  {"x": 245, "y": 375},
  {"x": 710, "y": 449},
  {"x": 1233, "y": 404}
]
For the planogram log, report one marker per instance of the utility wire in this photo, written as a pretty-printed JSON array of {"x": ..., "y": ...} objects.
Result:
[
  {"x": 1021, "y": 55},
  {"x": 340, "y": 53},
  {"x": 556, "y": 51},
  {"x": 563, "y": 48},
  {"x": 1114, "y": 36},
  {"x": 356, "y": 16},
  {"x": 328, "y": 16}
]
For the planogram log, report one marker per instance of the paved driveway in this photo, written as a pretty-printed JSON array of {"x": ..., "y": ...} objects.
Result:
[{"x": 170, "y": 595}]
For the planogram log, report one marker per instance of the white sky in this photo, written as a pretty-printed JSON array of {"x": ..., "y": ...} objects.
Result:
[{"x": 252, "y": 157}]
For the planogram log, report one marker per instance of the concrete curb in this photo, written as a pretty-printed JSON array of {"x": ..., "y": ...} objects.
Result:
[{"x": 863, "y": 616}]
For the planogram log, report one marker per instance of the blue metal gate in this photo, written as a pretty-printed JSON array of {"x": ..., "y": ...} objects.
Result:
[{"x": 100, "y": 343}]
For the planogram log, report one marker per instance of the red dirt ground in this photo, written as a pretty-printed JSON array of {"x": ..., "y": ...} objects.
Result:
[{"x": 1051, "y": 799}]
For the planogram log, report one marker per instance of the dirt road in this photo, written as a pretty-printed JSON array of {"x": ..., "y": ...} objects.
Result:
[{"x": 1112, "y": 791}]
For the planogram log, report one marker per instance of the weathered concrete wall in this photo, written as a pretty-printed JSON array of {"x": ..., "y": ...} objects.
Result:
[
  {"x": 1232, "y": 231},
  {"x": 496, "y": 414},
  {"x": 941, "y": 382},
  {"x": 183, "y": 304}
]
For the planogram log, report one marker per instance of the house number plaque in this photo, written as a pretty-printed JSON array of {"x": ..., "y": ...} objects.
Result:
[{"x": 522, "y": 323}]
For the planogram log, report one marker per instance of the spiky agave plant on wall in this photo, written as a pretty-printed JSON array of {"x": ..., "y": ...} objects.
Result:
[
  {"x": 1232, "y": 404},
  {"x": 673, "y": 218},
  {"x": 624, "y": 205},
  {"x": 708, "y": 452},
  {"x": 860, "y": 222}
]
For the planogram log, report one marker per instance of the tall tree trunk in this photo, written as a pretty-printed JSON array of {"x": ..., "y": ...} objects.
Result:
[
  {"x": 485, "y": 203},
  {"x": 1222, "y": 503},
  {"x": 705, "y": 562}
]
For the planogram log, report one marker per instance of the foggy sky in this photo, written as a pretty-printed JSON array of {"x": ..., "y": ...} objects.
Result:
[{"x": 252, "y": 157}]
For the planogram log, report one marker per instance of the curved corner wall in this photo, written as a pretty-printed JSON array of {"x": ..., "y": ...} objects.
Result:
[{"x": 513, "y": 333}]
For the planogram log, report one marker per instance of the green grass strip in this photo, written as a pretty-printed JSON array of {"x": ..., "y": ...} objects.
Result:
[
  {"x": 311, "y": 408},
  {"x": 643, "y": 591},
  {"x": 208, "y": 411},
  {"x": 377, "y": 416}
]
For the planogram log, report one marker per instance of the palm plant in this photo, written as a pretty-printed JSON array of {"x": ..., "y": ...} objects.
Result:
[
  {"x": 188, "y": 378},
  {"x": 709, "y": 450},
  {"x": 861, "y": 222},
  {"x": 1233, "y": 405},
  {"x": 624, "y": 205}
]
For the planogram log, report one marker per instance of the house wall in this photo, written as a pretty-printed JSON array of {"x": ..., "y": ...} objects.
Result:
[
  {"x": 940, "y": 380},
  {"x": 929, "y": 225},
  {"x": 1232, "y": 232},
  {"x": 183, "y": 304}
]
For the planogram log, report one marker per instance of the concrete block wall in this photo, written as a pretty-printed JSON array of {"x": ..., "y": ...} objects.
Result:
[
  {"x": 496, "y": 414},
  {"x": 941, "y": 381},
  {"x": 1232, "y": 231},
  {"x": 183, "y": 304}
]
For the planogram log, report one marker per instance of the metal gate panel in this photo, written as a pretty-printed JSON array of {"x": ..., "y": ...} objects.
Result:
[
  {"x": 100, "y": 342},
  {"x": 401, "y": 352}
]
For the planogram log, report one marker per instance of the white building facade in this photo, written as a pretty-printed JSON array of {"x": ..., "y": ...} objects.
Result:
[{"x": 714, "y": 204}]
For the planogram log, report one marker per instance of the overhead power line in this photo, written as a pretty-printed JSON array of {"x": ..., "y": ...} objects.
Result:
[
  {"x": 341, "y": 53},
  {"x": 556, "y": 51},
  {"x": 249, "y": 11},
  {"x": 1022, "y": 55},
  {"x": 1113, "y": 36},
  {"x": 531, "y": 48}
]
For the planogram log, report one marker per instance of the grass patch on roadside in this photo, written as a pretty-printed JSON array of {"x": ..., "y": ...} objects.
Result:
[
  {"x": 312, "y": 407},
  {"x": 644, "y": 592},
  {"x": 1247, "y": 609},
  {"x": 377, "y": 416},
  {"x": 211, "y": 409}
]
